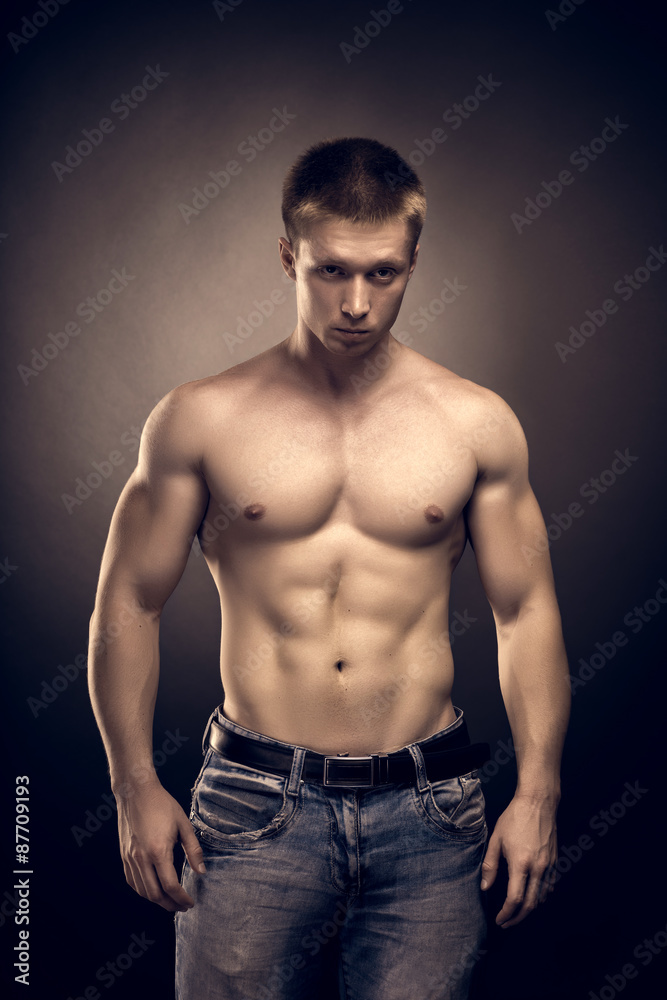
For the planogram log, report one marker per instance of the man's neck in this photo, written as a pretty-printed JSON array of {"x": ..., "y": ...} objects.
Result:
[{"x": 343, "y": 376}]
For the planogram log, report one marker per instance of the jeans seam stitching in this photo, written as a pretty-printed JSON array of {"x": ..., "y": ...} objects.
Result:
[
  {"x": 208, "y": 831},
  {"x": 332, "y": 822},
  {"x": 446, "y": 834}
]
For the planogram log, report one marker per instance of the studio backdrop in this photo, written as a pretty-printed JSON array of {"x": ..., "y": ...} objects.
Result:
[{"x": 145, "y": 147}]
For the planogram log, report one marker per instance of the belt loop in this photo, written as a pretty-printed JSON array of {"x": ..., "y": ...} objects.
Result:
[
  {"x": 420, "y": 766},
  {"x": 208, "y": 729},
  {"x": 295, "y": 773},
  {"x": 380, "y": 768}
]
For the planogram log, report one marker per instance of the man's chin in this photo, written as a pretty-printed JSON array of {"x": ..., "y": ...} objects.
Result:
[{"x": 342, "y": 343}]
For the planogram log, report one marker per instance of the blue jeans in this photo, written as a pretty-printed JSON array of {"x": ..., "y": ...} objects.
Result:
[{"x": 315, "y": 892}]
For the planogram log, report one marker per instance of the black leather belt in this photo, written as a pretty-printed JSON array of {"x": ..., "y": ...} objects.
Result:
[{"x": 447, "y": 757}]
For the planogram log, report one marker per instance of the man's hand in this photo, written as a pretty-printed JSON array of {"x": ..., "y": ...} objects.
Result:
[
  {"x": 150, "y": 822},
  {"x": 525, "y": 835}
]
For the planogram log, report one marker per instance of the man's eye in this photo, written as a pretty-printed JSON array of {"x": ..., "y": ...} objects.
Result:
[
  {"x": 384, "y": 272},
  {"x": 329, "y": 269}
]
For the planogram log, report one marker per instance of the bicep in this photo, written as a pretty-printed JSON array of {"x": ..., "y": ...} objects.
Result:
[
  {"x": 156, "y": 517},
  {"x": 506, "y": 527}
]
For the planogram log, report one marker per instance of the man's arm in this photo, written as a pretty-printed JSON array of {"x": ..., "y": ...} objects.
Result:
[
  {"x": 149, "y": 541},
  {"x": 509, "y": 538}
]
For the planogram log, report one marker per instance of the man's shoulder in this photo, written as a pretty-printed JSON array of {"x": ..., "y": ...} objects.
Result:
[
  {"x": 469, "y": 400},
  {"x": 180, "y": 423},
  {"x": 480, "y": 420},
  {"x": 211, "y": 395}
]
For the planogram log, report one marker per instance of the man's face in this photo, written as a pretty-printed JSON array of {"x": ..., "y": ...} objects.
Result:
[{"x": 350, "y": 281}]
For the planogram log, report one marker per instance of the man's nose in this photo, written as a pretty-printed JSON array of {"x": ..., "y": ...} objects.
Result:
[{"x": 356, "y": 302}]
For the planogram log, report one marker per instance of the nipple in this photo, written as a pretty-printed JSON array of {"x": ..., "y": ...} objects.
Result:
[
  {"x": 254, "y": 511},
  {"x": 433, "y": 514}
]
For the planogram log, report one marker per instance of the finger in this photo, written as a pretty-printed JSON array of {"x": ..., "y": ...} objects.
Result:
[
  {"x": 490, "y": 863},
  {"x": 136, "y": 880},
  {"x": 530, "y": 899},
  {"x": 547, "y": 884},
  {"x": 516, "y": 889},
  {"x": 193, "y": 849},
  {"x": 145, "y": 879},
  {"x": 154, "y": 890},
  {"x": 550, "y": 876},
  {"x": 129, "y": 877},
  {"x": 171, "y": 888}
]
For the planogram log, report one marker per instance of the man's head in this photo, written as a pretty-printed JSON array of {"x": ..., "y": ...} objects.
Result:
[
  {"x": 354, "y": 180},
  {"x": 351, "y": 244}
]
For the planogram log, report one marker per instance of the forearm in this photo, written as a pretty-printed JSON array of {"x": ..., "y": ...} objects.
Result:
[
  {"x": 534, "y": 684},
  {"x": 123, "y": 673}
]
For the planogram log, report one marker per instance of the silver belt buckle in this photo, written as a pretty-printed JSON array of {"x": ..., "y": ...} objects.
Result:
[{"x": 377, "y": 770}]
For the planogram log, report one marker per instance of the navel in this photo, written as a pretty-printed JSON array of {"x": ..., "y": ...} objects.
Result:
[
  {"x": 433, "y": 513},
  {"x": 254, "y": 511},
  {"x": 339, "y": 665}
]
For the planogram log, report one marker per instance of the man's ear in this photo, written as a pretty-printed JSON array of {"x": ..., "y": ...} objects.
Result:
[
  {"x": 413, "y": 261},
  {"x": 287, "y": 257}
]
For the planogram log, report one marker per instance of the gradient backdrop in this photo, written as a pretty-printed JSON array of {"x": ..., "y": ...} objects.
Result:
[{"x": 78, "y": 381}]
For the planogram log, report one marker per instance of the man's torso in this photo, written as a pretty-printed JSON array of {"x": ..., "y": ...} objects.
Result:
[{"x": 332, "y": 532}]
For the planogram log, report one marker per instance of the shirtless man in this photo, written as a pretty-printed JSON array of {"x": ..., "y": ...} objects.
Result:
[{"x": 332, "y": 508}]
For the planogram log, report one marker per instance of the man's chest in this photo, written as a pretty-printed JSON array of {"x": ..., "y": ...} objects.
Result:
[{"x": 401, "y": 475}]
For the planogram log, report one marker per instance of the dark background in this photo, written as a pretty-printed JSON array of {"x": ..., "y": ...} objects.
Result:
[{"x": 60, "y": 241}]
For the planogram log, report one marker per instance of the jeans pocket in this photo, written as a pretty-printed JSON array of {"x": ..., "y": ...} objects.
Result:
[
  {"x": 237, "y": 805},
  {"x": 456, "y": 805}
]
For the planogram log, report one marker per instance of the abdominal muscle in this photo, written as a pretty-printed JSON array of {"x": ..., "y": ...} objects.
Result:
[{"x": 342, "y": 652}]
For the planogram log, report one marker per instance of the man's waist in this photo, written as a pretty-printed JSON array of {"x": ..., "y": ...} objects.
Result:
[
  {"x": 446, "y": 756},
  {"x": 378, "y": 656}
]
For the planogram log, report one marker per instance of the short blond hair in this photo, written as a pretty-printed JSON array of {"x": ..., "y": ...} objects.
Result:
[{"x": 355, "y": 179}]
